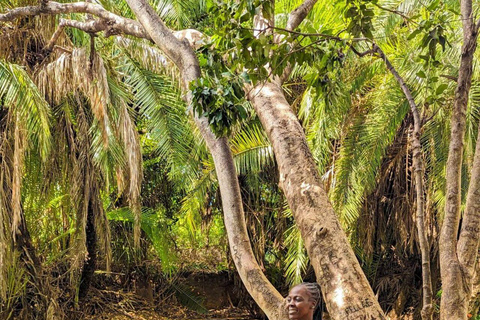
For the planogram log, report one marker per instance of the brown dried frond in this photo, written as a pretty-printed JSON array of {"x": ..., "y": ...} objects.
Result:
[
  {"x": 18, "y": 160},
  {"x": 102, "y": 228},
  {"x": 151, "y": 57},
  {"x": 21, "y": 44},
  {"x": 129, "y": 136},
  {"x": 80, "y": 190},
  {"x": 74, "y": 71}
]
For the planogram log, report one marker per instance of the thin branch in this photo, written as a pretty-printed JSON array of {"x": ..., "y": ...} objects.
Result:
[
  {"x": 362, "y": 54},
  {"x": 62, "y": 49},
  {"x": 323, "y": 35},
  {"x": 91, "y": 26},
  {"x": 449, "y": 77},
  {"x": 418, "y": 172},
  {"x": 395, "y": 12},
  {"x": 55, "y": 36}
]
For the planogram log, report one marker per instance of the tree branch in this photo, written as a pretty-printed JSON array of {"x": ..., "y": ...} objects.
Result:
[
  {"x": 114, "y": 22},
  {"x": 299, "y": 14},
  {"x": 449, "y": 77},
  {"x": 323, "y": 35},
  {"x": 469, "y": 235},
  {"x": 362, "y": 54},
  {"x": 294, "y": 19}
]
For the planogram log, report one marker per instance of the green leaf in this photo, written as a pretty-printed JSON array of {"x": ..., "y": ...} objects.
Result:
[
  {"x": 441, "y": 88},
  {"x": 421, "y": 74},
  {"x": 414, "y": 34}
]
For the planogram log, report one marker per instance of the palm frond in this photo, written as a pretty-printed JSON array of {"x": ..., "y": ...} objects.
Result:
[
  {"x": 251, "y": 150},
  {"x": 17, "y": 91},
  {"x": 296, "y": 260},
  {"x": 154, "y": 226}
]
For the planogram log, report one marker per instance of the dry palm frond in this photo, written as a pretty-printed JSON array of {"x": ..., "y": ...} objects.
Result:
[
  {"x": 131, "y": 145},
  {"x": 80, "y": 189},
  {"x": 18, "y": 159},
  {"x": 150, "y": 57},
  {"x": 77, "y": 71}
]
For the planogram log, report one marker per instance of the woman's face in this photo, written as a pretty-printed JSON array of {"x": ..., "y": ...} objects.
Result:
[{"x": 299, "y": 304}]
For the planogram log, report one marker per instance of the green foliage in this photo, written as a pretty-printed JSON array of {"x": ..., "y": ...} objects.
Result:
[
  {"x": 20, "y": 94},
  {"x": 157, "y": 230},
  {"x": 220, "y": 100},
  {"x": 260, "y": 54},
  {"x": 433, "y": 28},
  {"x": 296, "y": 260},
  {"x": 360, "y": 14},
  {"x": 188, "y": 298}
]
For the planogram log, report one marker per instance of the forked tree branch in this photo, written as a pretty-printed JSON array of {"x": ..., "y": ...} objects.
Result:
[{"x": 123, "y": 25}]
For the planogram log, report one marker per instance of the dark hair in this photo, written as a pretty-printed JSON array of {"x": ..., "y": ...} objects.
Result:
[{"x": 314, "y": 290}]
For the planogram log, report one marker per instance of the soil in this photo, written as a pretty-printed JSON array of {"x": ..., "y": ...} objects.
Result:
[{"x": 148, "y": 300}]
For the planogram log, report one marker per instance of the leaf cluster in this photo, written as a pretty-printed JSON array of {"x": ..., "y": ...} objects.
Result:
[
  {"x": 433, "y": 28},
  {"x": 360, "y": 15},
  {"x": 219, "y": 99}
]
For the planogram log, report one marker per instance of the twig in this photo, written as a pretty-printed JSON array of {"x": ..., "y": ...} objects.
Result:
[
  {"x": 326, "y": 36},
  {"x": 446, "y": 76},
  {"x": 362, "y": 54},
  {"x": 395, "y": 12}
]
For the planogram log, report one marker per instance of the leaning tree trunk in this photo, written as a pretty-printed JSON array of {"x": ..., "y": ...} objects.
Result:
[
  {"x": 262, "y": 291},
  {"x": 456, "y": 276},
  {"x": 347, "y": 292},
  {"x": 418, "y": 173}
]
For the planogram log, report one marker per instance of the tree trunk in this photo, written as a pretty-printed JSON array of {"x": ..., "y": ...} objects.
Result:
[
  {"x": 456, "y": 277},
  {"x": 262, "y": 291},
  {"x": 346, "y": 290},
  {"x": 91, "y": 246},
  {"x": 418, "y": 173},
  {"x": 470, "y": 233}
]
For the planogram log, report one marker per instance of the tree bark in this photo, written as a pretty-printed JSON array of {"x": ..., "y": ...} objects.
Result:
[
  {"x": 470, "y": 233},
  {"x": 456, "y": 281},
  {"x": 346, "y": 290}
]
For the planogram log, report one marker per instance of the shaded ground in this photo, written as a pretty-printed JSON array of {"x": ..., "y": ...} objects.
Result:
[
  {"x": 178, "y": 314},
  {"x": 151, "y": 299}
]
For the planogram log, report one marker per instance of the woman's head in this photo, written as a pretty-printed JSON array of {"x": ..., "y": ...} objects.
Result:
[{"x": 302, "y": 301}]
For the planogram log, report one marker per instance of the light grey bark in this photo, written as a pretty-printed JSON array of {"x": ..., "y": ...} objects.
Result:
[
  {"x": 418, "y": 173},
  {"x": 346, "y": 290},
  {"x": 470, "y": 232},
  {"x": 456, "y": 277},
  {"x": 127, "y": 26}
]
